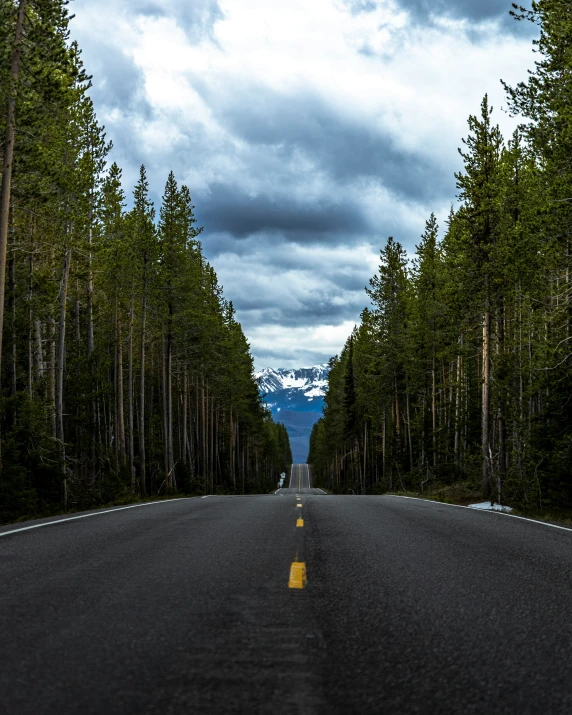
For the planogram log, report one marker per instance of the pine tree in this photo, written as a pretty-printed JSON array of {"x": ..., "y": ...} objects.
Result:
[{"x": 479, "y": 189}]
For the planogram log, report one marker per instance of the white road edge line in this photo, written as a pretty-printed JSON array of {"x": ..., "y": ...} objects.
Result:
[
  {"x": 488, "y": 511},
  {"x": 85, "y": 516},
  {"x": 321, "y": 490},
  {"x": 206, "y": 496}
]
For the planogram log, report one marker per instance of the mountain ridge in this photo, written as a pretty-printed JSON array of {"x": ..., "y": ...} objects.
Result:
[
  {"x": 295, "y": 397},
  {"x": 285, "y": 387}
]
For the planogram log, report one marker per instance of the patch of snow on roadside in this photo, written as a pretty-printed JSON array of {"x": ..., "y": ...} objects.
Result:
[{"x": 489, "y": 506}]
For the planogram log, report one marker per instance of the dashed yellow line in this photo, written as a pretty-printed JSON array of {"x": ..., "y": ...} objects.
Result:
[
  {"x": 298, "y": 578},
  {"x": 297, "y": 575}
]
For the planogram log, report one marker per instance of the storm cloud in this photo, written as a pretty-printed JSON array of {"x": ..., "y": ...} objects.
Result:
[
  {"x": 306, "y": 132},
  {"x": 428, "y": 11},
  {"x": 304, "y": 125},
  {"x": 229, "y": 209},
  {"x": 477, "y": 10}
]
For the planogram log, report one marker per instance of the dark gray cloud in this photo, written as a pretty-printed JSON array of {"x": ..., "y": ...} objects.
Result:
[
  {"x": 471, "y": 9},
  {"x": 228, "y": 208},
  {"x": 476, "y": 11},
  {"x": 424, "y": 11},
  {"x": 333, "y": 143},
  {"x": 273, "y": 282},
  {"x": 118, "y": 93},
  {"x": 313, "y": 312},
  {"x": 318, "y": 307},
  {"x": 117, "y": 82}
]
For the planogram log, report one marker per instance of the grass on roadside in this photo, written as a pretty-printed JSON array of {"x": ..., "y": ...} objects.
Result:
[{"x": 465, "y": 493}]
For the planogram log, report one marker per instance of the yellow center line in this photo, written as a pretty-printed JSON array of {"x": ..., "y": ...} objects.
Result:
[
  {"x": 297, "y": 575},
  {"x": 298, "y": 578}
]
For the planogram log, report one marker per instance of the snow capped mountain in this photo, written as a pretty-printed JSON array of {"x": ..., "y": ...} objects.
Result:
[
  {"x": 296, "y": 398},
  {"x": 301, "y": 389}
]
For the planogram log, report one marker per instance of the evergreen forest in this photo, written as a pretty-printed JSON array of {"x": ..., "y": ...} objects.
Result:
[
  {"x": 123, "y": 371},
  {"x": 459, "y": 372}
]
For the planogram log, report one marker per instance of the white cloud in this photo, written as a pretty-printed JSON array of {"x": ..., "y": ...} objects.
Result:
[
  {"x": 292, "y": 343},
  {"x": 373, "y": 77}
]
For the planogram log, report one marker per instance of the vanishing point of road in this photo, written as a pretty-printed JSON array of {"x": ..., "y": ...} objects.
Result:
[{"x": 294, "y": 602}]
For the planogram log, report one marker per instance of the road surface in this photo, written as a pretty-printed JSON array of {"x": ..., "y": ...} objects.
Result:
[
  {"x": 185, "y": 606},
  {"x": 299, "y": 482}
]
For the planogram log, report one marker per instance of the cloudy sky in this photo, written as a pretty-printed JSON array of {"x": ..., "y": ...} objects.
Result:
[{"x": 307, "y": 131}]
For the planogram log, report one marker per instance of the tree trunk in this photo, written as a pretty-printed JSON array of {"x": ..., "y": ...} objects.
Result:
[
  {"x": 119, "y": 398},
  {"x": 397, "y": 417},
  {"x": 12, "y": 311},
  {"x": 433, "y": 411},
  {"x": 130, "y": 435},
  {"x": 164, "y": 406},
  {"x": 52, "y": 376},
  {"x": 39, "y": 350},
  {"x": 185, "y": 440},
  {"x": 486, "y": 403},
  {"x": 60, "y": 362},
  {"x": 142, "y": 463},
  {"x": 203, "y": 434},
  {"x": 211, "y": 438},
  {"x": 60, "y": 357},
  {"x": 30, "y": 332},
  {"x": 383, "y": 449},
  {"x": 409, "y": 432},
  {"x": 458, "y": 407},
  {"x": 90, "y": 338},
  {"x": 231, "y": 450},
  {"x": 190, "y": 437},
  {"x": 169, "y": 412},
  {"x": 180, "y": 456},
  {"x": 5, "y": 193},
  {"x": 423, "y": 437},
  {"x": 77, "y": 320},
  {"x": 364, "y": 455}
]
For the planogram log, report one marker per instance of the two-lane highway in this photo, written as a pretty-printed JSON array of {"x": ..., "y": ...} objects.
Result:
[
  {"x": 193, "y": 606},
  {"x": 300, "y": 481},
  {"x": 300, "y": 478}
]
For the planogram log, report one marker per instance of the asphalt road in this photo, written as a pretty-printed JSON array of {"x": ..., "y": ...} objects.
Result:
[
  {"x": 185, "y": 607},
  {"x": 299, "y": 482}
]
